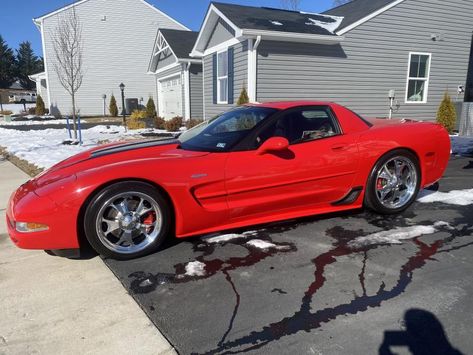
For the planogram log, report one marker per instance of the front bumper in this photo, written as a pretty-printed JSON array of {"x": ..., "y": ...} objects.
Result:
[{"x": 26, "y": 206}]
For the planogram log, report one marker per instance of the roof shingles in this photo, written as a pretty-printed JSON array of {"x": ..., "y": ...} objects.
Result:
[{"x": 268, "y": 19}]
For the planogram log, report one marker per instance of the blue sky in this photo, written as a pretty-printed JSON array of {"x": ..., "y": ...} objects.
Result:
[{"x": 16, "y": 16}]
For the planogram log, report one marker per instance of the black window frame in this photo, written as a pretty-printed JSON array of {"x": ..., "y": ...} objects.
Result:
[{"x": 247, "y": 143}]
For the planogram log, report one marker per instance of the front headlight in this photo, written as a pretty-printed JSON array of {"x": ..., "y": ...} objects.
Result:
[{"x": 30, "y": 227}]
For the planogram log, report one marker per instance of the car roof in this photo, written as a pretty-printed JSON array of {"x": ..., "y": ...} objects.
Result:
[{"x": 284, "y": 105}]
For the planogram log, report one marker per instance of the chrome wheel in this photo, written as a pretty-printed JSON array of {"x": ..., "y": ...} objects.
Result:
[
  {"x": 396, "y": 182},
  {"x": 129, "y": 222}
]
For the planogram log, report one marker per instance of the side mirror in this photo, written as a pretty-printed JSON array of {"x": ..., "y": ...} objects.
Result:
[{"x": 273, "y": 144}]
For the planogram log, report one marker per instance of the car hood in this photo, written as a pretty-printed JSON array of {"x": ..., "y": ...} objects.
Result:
[{"x": 115, "y": 153}]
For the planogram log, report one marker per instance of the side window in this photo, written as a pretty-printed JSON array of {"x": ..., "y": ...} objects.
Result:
[{"x": 302, "y": 125}]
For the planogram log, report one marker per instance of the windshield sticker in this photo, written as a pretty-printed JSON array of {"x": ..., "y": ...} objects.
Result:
[{"x": 221, "y": 145}]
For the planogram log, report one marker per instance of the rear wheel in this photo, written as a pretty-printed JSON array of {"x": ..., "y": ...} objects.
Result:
[
  {"x": 394, "y": 182},
  {"x": 127, "y": 220}
]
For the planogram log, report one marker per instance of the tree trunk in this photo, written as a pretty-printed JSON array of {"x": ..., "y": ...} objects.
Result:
[{"x": 74, "y": 118}]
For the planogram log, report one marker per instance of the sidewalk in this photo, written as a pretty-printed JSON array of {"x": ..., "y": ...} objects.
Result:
[{"x": 51, "y": 305}]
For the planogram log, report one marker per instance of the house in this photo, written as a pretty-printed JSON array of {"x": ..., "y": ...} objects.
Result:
[
  {"x": 354, "y": 54},
  {"x": 179, "y": 78},
  {"x": 117, "y": 38}
]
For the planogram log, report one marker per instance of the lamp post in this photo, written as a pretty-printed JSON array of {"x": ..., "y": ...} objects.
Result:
[
  {"x": 122, "y": 88},
  {"x": 104, "y": 98}
]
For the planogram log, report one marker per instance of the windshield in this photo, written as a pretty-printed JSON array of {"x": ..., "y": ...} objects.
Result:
[{"x": 221, "y": 133}]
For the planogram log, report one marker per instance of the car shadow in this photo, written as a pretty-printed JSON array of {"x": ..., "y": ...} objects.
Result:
[{"x": 423, "y": 334}]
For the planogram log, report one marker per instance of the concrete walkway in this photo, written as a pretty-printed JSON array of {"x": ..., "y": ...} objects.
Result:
[{"x": 51, "y": 305}]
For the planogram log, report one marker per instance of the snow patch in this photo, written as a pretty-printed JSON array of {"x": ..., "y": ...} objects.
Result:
[
  {"x": 44, "y": 148},
  {"x": 276, "y": 23},
  {"x": 224, "y": 238},
  {"x": 454, "y": 197},
  {"x": 195, "y": 268},
  {"x": 17, "y": 108},
  {"x": 45, "y": 121},
  {"x": 261, "y": 244},
  {"x": 330, "y": 26},
  {"x": 397, "y": 235}
]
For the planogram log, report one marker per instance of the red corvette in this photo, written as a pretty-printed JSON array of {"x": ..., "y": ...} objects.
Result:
[{"x": 251, "y": 165}]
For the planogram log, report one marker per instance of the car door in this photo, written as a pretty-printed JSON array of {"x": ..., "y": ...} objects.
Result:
[{"x": 317, "y": 169}]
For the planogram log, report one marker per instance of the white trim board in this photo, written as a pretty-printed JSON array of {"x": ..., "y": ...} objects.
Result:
[
  {"x": 369, "y": 17},
  {"x": 165, "y": 15}
]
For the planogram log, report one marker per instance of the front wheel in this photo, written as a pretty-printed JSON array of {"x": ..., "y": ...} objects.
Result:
[
  {"x": 394, "y": 182},
  {"x": 127, "y": 220}
]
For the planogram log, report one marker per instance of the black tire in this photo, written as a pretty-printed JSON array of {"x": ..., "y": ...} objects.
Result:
[
  {"x": 371, "y": 198},
  {"x": 99, "y": 204}
]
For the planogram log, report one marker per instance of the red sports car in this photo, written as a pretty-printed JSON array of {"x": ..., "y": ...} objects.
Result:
[{"x": 254, "y": 164}]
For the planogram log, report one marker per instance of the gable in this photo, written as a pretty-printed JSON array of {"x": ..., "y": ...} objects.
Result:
[
  {"x": 141, "y": 6},
  {"x": 222, "y": 32}
]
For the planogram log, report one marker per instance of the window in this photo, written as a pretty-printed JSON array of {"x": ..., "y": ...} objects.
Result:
[
  {"x": 222, "y": 77},
  {"x": 302, "y": 125},
  {"x": 418, "y": 78},
  {"x": 226, "y": 130}
]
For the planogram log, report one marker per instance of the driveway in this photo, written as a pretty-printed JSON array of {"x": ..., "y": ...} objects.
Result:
[
  {"x": 51, "y": 305},
  {"x": 334, "y": 284}
]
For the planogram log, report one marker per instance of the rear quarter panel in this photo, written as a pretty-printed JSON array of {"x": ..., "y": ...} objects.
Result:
[{"x": 429, "y": 141}]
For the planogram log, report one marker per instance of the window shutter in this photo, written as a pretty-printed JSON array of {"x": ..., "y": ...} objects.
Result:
[
  {"x": 214, "y": 79},
  {"x": 231, "y": 72}
]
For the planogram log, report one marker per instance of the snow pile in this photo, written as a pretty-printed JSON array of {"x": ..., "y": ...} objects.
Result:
[
  {"x": 397, "y": 235},
  {"x": 224, "y": 238},
  {"x": 195, "y": 268},
  {"x": 44, "y": 148},
  {"x": 462, "y": 145},
  {"x": 454, "y": 197},
  {"x": 329, "y": 25}
]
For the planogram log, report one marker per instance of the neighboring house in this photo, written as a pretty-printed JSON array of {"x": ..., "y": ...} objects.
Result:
[
  {"x": 117, "y": 41},
  {"x": 179, "y": 81},
  {"x": 353, "y": 54},
  {"x": 14, "y": 89}
]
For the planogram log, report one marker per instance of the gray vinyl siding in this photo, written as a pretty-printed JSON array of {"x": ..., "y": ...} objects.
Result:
[
  {"x": 178, "y": 70},
  {"x": 114, "y": 51},
  {"x": 222, "y": 32},
  {"x": 373, "y": 59},
  {"x": 196, "y": 91},
  {"x": 240, "y": 79}
]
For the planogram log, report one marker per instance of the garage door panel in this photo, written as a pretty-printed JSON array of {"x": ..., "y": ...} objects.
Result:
[{"x": 171, "y": 97}]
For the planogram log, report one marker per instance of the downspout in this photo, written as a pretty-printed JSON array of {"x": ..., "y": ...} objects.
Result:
[
  {"x": 187, "y": 91},
  {"x": 254, "y": 69}
]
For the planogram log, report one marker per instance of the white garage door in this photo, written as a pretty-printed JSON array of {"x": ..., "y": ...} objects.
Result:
[{"x": 171, "y": 97}]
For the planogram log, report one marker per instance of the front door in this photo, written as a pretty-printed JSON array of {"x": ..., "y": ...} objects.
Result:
[{"x": 318, "y": 168}]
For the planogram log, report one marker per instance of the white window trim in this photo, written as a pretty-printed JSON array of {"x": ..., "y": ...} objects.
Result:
[
  {"x": 220, "y": 102},
  {"x": 427, "y": 81}
]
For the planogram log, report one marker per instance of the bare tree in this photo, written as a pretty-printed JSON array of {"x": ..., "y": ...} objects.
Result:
[
  {"x": 291, "y": 4},
  {"x": 340, "y": 2},
  {"x": 68, "y": 50}
]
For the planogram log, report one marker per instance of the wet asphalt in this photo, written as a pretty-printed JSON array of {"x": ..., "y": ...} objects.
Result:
[{"x": 311, "y": 293}]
